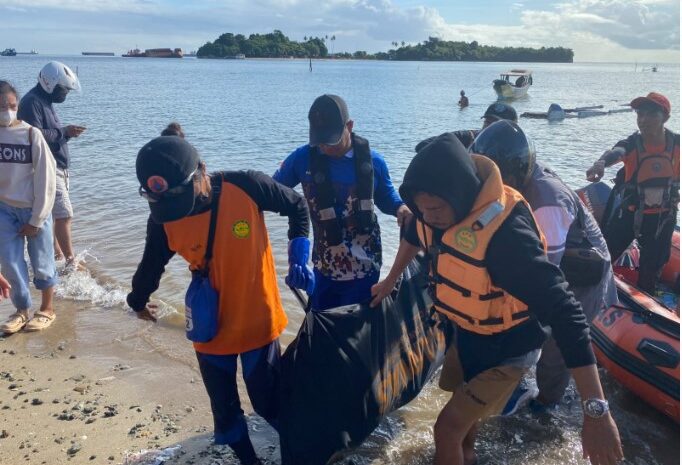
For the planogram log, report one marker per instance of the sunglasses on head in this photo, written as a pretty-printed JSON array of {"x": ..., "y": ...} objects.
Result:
[{"x": 180, "y": 189}]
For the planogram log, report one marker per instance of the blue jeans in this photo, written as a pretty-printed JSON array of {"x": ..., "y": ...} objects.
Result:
[
  {"x": 260, "y": 370},
  {"x": 329, "y": 293},
  {"x": 12, "y": 262}
]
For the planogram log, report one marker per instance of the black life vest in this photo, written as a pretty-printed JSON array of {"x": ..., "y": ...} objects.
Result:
[{"x": 362, "y": 213}]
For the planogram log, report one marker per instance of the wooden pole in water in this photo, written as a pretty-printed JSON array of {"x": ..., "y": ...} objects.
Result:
[{"x": 311, "y": 64}]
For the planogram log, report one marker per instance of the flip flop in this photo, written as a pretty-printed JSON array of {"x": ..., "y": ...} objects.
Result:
[
  {"x": 40, "y": 321},
  {"x": 14, "y": 323}
]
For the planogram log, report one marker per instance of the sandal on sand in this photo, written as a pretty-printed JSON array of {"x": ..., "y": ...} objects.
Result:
[
  {"x": 40, "y": 321},
  {"x": 14, "y": 323}
]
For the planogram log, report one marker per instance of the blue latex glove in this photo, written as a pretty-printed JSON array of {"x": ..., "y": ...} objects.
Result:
[{"x": 300, "y": 274}]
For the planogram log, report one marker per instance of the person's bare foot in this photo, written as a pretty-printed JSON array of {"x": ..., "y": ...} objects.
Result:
[
  {"x": 72, "y": 264},
  {"x": 47, "y": 310}
]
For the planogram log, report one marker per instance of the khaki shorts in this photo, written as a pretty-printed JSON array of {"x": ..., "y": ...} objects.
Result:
[
  {"x": 62, "y": 208},
  {"x": 483, "y": 396}
]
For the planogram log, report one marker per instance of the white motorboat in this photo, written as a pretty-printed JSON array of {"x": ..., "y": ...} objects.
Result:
[{"x": 513, "y": 84}]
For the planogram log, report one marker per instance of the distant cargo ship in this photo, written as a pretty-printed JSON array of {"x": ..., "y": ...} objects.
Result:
[
  {"x": 154, "y": 53},
  {"x": 32, "y": 52},
  {"x": 98, "y": 54}
]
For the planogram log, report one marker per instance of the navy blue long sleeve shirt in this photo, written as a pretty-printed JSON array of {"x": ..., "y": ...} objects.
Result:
[{"x": 36, "y": 109}]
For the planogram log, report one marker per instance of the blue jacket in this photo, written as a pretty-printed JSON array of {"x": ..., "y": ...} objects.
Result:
[
  {"x": 359, "y": 255},
  {"x": 36, "y": 109}
]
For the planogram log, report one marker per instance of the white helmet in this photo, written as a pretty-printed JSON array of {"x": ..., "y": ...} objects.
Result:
[{"x": 55, "y": 73}]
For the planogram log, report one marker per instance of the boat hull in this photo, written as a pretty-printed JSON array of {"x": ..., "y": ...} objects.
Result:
[
  {"x": 638, "y": 342},
  {"x": 505, "y": 90}
]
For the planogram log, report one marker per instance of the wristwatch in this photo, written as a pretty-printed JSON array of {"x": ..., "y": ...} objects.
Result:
[{"x": 595, "y": 408}]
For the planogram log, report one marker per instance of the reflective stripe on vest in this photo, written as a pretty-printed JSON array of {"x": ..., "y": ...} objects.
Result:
[
  {"x": 464, "y": 291},
  {"x": 362, "y": 210}
]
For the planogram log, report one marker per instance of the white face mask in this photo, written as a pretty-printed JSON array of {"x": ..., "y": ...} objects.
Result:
[{"x": 7, "y": 117}]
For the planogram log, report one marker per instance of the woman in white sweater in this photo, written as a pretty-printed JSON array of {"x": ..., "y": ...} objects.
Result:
[{"x": 27, "y": 191}]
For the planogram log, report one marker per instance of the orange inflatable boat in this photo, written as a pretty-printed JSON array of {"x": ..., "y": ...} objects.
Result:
[{"x": 638, "y": 340}]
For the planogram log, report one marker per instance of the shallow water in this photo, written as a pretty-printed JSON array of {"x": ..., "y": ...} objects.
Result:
[{"x": 249, "y": 115}]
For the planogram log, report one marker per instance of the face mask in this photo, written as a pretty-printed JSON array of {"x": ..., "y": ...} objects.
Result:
[
  {"x": 7, "y": 117},
  {"x": 59, "y": 94}
]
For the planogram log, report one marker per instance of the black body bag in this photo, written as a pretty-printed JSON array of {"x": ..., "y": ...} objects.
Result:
[{"x": 350, "y": 367}]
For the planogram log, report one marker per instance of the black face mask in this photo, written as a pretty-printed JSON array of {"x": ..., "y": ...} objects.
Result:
[{"x": 59, "y": 94}]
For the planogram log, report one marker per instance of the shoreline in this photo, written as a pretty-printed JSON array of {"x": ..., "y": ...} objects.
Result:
[
  {"x": 67, "y": 399},
  {"x": 102, "y": 387}
]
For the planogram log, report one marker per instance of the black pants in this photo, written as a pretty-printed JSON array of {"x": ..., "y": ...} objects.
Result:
[
  {"x": 654, "y": 251},
  {"x": 261, "y": 373}
]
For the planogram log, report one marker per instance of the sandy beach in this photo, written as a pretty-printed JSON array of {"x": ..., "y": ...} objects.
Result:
[
  {"x": 68, "y": 400},
  {"x": 103, "y": 387}
]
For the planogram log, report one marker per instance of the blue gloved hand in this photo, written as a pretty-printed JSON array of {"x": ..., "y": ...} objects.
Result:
[{"x": 300, "y": 274}]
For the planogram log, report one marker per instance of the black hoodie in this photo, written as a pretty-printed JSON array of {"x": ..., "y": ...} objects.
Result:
[{"x": 515, "y": 260}]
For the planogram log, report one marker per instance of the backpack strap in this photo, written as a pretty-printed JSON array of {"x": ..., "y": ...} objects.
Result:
[{"x": 216, "y": 185}]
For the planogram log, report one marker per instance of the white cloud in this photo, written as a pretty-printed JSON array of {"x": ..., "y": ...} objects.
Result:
[
  {"x": 633, "y": 23},
  {"x": 595, "y": 29}
]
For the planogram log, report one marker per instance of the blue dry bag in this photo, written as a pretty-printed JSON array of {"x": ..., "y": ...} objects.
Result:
[
  {"x": 201, "y": 309},
  {"x": 201, "y": 300}
]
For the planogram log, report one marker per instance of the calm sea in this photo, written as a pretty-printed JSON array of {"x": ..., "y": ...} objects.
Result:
[{"x": 249, "y": 114}]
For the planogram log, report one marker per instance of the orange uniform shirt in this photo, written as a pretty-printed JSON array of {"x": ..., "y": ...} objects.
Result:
[{"x": 242, "y": 271}]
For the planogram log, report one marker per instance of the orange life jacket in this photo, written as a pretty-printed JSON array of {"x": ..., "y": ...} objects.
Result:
[
  {"x": 653, "y": 179},
  {"x": 242, "y": 271},
  {"x": 464, "y": 291}
]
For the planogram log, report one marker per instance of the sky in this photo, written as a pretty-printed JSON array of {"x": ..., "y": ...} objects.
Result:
[{"x": 645, "y": 31}]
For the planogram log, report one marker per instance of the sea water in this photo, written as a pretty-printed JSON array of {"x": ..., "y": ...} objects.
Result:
[{"x": 250, "y": 114}]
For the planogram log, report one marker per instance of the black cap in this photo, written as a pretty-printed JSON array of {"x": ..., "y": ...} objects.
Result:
[
  {"x": 163, "y": 164},
  {"x": 328, "y": 117},
  {"x": 501, "y": 110}
]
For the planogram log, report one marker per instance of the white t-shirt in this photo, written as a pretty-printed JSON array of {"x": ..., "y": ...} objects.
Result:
[{"x": 554, "y": 222}]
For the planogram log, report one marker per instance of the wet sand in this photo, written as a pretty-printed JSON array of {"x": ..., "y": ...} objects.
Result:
[
  {"x": 66, "y": 399},
  {"x": 102, "y": 387}
]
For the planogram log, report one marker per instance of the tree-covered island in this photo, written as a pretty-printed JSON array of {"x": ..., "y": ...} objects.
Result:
[{"x": 277, "y": 45}]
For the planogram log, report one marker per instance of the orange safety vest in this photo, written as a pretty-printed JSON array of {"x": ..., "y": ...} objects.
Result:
[
  {"x": 652, "y": 178},
  {"x": 242, "y": 271},
  {"x": 464, "y": 291}
]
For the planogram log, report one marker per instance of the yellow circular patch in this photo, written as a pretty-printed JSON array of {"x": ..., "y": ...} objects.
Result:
[
  {"x": 465, "y": 239},
  {"x": 241, "y": 229}
]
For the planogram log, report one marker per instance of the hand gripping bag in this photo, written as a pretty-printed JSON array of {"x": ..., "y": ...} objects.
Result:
[{"x": 349, "y": 367}]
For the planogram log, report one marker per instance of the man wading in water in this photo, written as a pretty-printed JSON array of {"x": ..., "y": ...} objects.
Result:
[
  {"x": 492, "y": 279},
  {"x": 342, "y": 180}
]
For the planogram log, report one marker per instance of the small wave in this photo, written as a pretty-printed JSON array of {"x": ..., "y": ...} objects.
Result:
[
  {"x": 151, "y": 457},
  {"x": 82, "y": 285}
]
